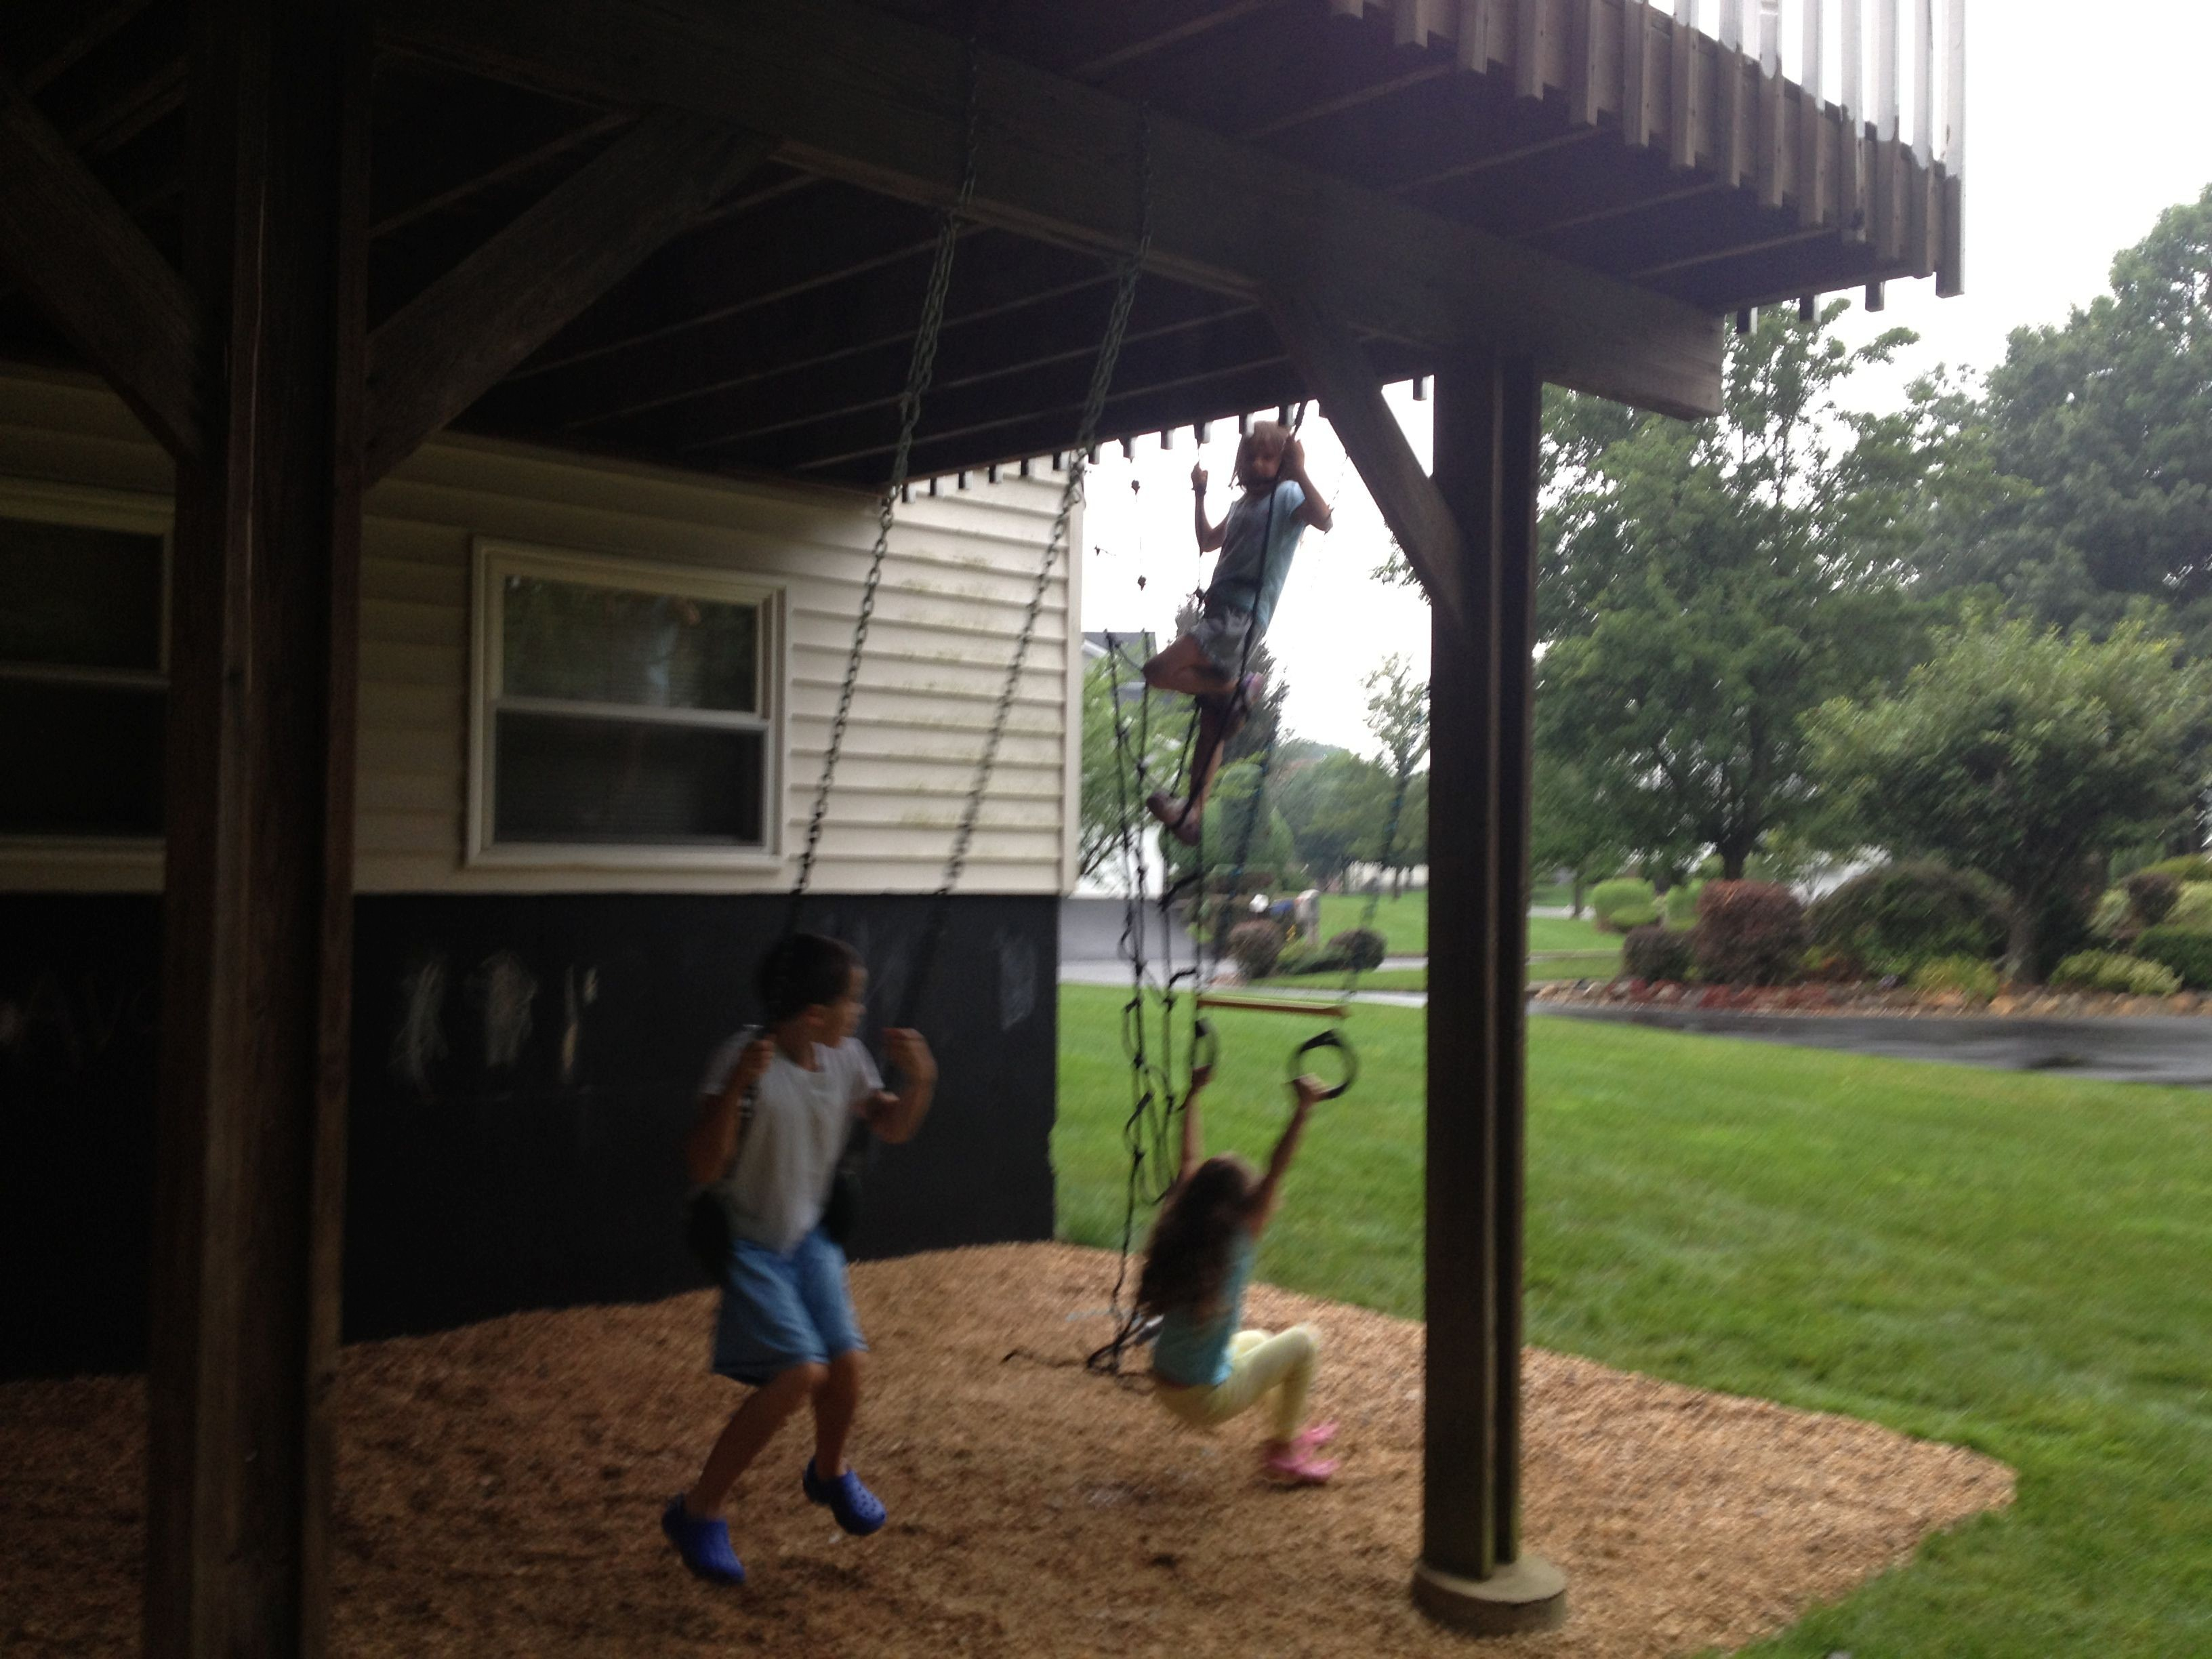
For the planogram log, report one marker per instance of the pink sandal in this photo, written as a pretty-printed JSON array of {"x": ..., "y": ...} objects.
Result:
[
  {"x": 1296, "y": 1467},
  {"x": 1313, "y": 1437}
]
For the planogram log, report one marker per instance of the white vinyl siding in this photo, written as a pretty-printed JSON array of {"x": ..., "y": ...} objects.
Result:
[{"x": 954, "y": 589}]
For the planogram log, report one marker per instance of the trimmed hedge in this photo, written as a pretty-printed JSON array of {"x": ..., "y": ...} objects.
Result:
[
  {"x": 1618, "y": 905},
  {"x": 2152, "y": 895},
  {"x": 2187, "y": 951},
  {"x": 1655, "y": 951},
  {"x": 2112, "y": 971},
  {"x": 1974, "y": 977},
  {"x": 2190, "y": 866},
  {"x": 2192, "y": 907},
  {"x": 1899, "y": 915},
  {"x": 1749, "y": 933},
  {"x": 1358, "y": 948}
]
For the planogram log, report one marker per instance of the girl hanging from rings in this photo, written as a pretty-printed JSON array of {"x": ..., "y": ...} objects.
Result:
[
  {"x": 1257, "y": 542},
  {"x": 1205, "y": 1369}
]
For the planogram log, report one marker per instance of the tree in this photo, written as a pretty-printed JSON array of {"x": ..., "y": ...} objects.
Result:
[
  {"x": 1112, "y": 788},
  {"x": 1569, "y": 829},
  {"x": 1398, "y": 715},
  {"x": 2022, "y": 753},
  {"x": 2097, "y": 432},
  {"x": 1265, "y": 723},
  {"x": 1705, "y": 586},
  {"x": 1333, "y": 808}
]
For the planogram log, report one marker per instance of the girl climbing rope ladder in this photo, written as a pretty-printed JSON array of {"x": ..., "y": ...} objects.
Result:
[{"x": 1257, "y": 541}]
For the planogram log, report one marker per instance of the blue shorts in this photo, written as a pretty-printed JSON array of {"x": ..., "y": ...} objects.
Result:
[{"x": 781, "y": 1309}]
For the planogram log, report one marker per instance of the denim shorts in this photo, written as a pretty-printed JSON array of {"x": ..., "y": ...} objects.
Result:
[
  {"x": 1223, "y": 634},
  {"x": 781, "y": 1308}
]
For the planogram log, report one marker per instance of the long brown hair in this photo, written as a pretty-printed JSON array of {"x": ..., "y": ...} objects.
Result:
[
  {"x": 1276, "y": 435},
  {"x": 1188, "y": 1255}
]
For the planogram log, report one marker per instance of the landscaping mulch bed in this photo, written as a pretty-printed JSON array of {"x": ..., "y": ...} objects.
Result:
[
  {"x": 2032, "y": 1002},
  {"x": 500, "y": 1489}
]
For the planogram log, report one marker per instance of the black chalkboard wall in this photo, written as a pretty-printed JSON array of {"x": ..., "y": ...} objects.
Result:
[{"x": 522, "y": 1070}]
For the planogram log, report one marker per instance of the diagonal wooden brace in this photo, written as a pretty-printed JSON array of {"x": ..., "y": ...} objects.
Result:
[{"x": 462, "y": 335}]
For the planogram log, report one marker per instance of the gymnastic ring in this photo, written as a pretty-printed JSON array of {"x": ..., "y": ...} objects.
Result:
[
  {"x": 1205, "y": 1049},
  {"x": 1328, "y": 1040}
]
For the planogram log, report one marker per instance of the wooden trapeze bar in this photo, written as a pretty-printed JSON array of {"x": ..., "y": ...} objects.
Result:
[{"x": 1272, "y": 1005}]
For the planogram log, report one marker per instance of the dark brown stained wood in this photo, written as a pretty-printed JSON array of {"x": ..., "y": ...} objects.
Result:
[
  {"x": 531, "y": 160},
  {"x": 1951, "y": 261},
  {"x": 1487, "y": 422},
  {"x": 1582, "y": 95},
  {"x": 1335, "y": 369},
  {"x": 43, "y": 39},
  {"x": 856, "y": 95},
  {"x": 1816, "y": 182},
  {"x": 1773, "y": 103},
  {"x": 1923, "y": 221},
  {"x": 1854, "y": 208},
  {"x": 94, "y": 272},
  {"x": 1024, "y": 294},
  {"x": 257, "y": 928},
  {"x": 1885, "y": 204},
  {"x": 1635, "y": 73},
  {"x": 988, "y": 367},
  {"x": 1529, "y": 48},
  {"x": 1734, "y": 140},
  {"x": 458, "y": 339},
  {"x": 1477, "y": 20},
  {"x": 110, "y": 96},
  {"x": 1685, "y": 109}
]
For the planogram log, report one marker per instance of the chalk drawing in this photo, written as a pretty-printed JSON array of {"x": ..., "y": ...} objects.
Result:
[
  {"x": 504, "y": 989},
  {"x": 1018, "y": 976},
  {"x": 418, "y": 1042},
  {"x": 578, "y": 996}
]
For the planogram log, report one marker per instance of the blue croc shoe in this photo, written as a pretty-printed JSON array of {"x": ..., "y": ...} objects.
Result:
[
  {"x": 703, "y": 1543},
  {"x": 857, "y": 1509}
]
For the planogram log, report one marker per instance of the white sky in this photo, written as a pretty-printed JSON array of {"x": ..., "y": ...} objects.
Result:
[{"x": 2084, "y": 122}]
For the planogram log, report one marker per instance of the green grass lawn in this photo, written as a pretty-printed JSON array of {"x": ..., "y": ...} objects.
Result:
[
  {"x": 2012, "y": 1262},
  {"x": 1403, "y": 922}
]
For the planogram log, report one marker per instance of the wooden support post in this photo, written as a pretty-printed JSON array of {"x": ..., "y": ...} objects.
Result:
[
  {"x": 1474, "y": 1572},
  {"x": 1636, "y": 74},
  {"x": 257, "y": 923}
]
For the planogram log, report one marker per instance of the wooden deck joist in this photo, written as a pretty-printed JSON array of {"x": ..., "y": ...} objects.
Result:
[{"x": 854, "y": 94}]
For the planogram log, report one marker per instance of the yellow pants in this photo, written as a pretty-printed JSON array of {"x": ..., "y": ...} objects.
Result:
[{"x": 1258, "y": 1363}]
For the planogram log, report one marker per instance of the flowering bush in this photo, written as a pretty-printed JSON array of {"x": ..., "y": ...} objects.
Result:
[{"x": 1749, "y": 933}]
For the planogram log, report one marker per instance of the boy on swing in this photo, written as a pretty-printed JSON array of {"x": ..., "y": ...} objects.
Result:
[
  {"x": 775, "y": 1108},
  {"x": 1257, "y": 542}
]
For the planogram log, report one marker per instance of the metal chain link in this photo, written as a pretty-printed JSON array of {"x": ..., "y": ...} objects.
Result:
[
  {"x": 922, "y": 368},
  {"x": 1070, "y": 495}
]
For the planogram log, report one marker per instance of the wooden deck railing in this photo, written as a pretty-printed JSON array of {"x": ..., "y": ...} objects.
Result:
[{"x": 1852, "y": 112}]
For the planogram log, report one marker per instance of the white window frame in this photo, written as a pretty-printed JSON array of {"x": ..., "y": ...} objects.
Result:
[
  {"x": 497, "y": 560},
  {"x": 40, "y": 502}
]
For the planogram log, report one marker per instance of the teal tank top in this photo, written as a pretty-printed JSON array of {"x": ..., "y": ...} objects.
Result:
[{"x": 1194, "y": 1353}]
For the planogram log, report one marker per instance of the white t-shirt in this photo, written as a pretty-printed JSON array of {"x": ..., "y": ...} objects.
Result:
[{"x": 787, "y": 1153}]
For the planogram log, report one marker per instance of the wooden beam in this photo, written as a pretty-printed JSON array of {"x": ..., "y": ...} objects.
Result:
[
  {"x": 47, "y": 43},
  {"x": 93, "y": 272},
  {"x": 856, "y": 94},
  {"x": 258, "y": 913},
  {"x": 457, "y": 339},
  {"x": 1336, "y": 370}
]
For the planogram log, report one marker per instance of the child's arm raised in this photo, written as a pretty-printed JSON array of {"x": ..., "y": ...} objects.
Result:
[
  {"x": 896, "y": 1117},
  {"x": 1269, "y": 1192},
  {"x": 1209, "y": 535},
  {"x": 712, "y": 1141},
  {"x": 1194, "y": 1137},
  {"x": 1313, "y": 510}
]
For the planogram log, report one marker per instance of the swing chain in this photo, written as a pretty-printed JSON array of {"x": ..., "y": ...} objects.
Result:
[
  {"x": 1071, "y": 496},
  {"x": 921, "y": 369}
]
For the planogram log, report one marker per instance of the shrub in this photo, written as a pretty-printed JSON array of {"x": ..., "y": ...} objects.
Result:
[
  {"x": 1621, "y": 905},
  {"x": 1902, "y": 914},
  {"x": 2152, "y": 895},
  {"x": 1682, "y": 904},
  {"x": 1656, "y": 952},
  {"x": 1825, "y": 964},
  {"x": 1749, "y": 933},
  {"x": 2187, "y": 951},
  {"x": 1256, "y": 946},
  {"x": 1969, "y": 975},
  {"x": 1357, "y": 948},
  {"x": 2190, "y": 866},
  {"x": 2110, "y": 971},
  {"x": 1297, "y": 957},
  {"x": 2192, "y": 907},
  {"x": 2114, "y": 918}
]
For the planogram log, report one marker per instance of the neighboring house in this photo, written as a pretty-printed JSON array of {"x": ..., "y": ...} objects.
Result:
[{"x": 593, "y": 704}]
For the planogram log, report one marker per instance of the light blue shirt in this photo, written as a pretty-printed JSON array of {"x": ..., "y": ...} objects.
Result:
[
  {"x": 1256, "y": 554},
  {"x": 1193, "y": 1352}
]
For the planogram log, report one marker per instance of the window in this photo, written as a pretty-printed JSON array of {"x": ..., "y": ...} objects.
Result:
[
  {"x": 83, "y": 664},
  {"x": 622, "y": 708}
]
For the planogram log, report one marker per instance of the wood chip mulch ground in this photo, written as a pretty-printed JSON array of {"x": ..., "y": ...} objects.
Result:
[{"x": 501, "y": 1486}]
